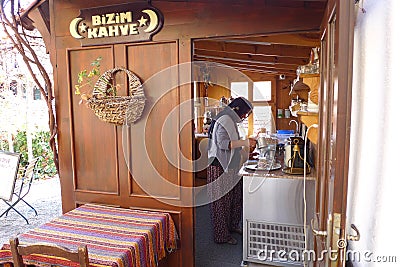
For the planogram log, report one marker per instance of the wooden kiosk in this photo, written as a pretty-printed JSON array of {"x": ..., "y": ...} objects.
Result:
[{"x": 148, "y": 38}]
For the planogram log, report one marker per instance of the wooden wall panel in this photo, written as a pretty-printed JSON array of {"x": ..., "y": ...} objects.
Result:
[
  {"x": 90, "y": 135},
  {"x": 148, "y": 157},
  {"x": 220, "y": 19},
  {"x": 199, "y": 20},
  {"x": 283, "y": 102}
]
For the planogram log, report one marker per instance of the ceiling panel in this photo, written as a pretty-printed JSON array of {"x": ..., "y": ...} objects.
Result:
[{"x": 272, "y": 54}]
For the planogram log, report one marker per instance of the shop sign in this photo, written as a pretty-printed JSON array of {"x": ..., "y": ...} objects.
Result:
[{"x": 131, "y": 22}]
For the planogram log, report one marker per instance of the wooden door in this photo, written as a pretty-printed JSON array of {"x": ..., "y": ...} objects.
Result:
[
  {"x": 336, "y": 80},
  {"x": 131, "y": 161}
]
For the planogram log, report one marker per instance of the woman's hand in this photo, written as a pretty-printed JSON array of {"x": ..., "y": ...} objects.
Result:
[
  {"x": 252, "y": 144},
  {"x": 248, "y": 145},
  {"x": 252, "y": 155}
]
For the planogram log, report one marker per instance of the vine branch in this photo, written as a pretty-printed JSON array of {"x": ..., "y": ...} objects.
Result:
[{"x": 21, "y": 41}]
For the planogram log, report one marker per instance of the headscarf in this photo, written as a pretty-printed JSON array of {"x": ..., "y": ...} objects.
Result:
[{"x": 235, "y": 110}]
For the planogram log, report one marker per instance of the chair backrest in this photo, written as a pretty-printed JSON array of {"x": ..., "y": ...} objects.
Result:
[
  {"x": 28, "y": 174},
  {"x": 30, "y": 168},
  {"x": 79, "y": 256}
]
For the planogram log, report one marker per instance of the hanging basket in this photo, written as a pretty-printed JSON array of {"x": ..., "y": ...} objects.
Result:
[{"x": 117, "y": 109}]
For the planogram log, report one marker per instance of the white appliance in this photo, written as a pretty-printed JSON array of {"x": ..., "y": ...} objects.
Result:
[{"x": 273, "y": 226}]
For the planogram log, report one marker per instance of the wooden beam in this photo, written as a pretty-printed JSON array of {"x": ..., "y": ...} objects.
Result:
[
  {"x": 311, "y": 4},
  {"x": 234, "y": 55},
  {"x": 253, "y": 63},
  {"x": 266, "y": 50},
  {"x": 251, "y": 66},
  {"x": 255, "y": 70},
  {"x": 310, "y": 39}
]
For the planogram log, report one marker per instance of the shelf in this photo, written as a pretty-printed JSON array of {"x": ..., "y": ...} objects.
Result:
[
  {"x": 308, "y": 114},
  {"x": 310, "y": 118},
  {"x": 313, "y": 81},
  {"x": 308, "y": 75}
]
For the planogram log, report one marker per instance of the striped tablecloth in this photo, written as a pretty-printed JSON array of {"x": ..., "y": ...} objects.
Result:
[{"x": 114, "y": 236}]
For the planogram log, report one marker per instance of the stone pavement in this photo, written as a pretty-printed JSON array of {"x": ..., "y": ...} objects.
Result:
[{"x": 44, "y": 196}]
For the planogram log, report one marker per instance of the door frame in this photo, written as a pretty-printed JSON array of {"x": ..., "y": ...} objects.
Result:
[{"x": 334, "y": 131}]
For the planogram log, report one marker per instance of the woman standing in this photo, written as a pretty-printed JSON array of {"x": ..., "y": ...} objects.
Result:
[{"x": 225, "y": 150}]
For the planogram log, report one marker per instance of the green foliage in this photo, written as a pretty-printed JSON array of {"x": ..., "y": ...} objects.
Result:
[
  {"x": 3, "y": 144},
  {"x": 89, "y": 77},
  {"x": 21, "y": 146},
  {"x": 86, "y": 77},
  {"x": 41, "y": 149}
]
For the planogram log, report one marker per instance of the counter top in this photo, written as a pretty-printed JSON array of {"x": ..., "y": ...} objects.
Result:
[{"x": 275, "y": 173}]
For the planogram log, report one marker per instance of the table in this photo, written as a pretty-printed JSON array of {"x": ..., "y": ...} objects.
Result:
[{"x": 114, "y": 236}]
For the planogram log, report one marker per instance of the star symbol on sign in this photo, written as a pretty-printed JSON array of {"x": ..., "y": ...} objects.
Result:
[
  {"x": 83, "y": 27},
  {"x": 142, "y": 21}
]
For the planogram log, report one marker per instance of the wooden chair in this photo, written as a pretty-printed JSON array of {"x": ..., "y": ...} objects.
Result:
[{"x": 80, "y": 256}]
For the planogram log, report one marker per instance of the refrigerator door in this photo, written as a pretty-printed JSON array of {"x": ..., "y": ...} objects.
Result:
[{"x": 273, "y": 218}]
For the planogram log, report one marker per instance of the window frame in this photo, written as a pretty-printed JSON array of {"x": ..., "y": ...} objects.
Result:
[{"x": 271, "y": 103}]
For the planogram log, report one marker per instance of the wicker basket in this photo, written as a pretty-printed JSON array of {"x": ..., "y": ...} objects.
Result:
[{"x": 117, "y": 109}]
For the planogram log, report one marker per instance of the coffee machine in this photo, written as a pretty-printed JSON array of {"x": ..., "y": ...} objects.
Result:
[{"x": 294, "y": 156}]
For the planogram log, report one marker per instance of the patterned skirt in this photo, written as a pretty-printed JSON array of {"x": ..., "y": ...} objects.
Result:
[{"x": 225, "y": 188}]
